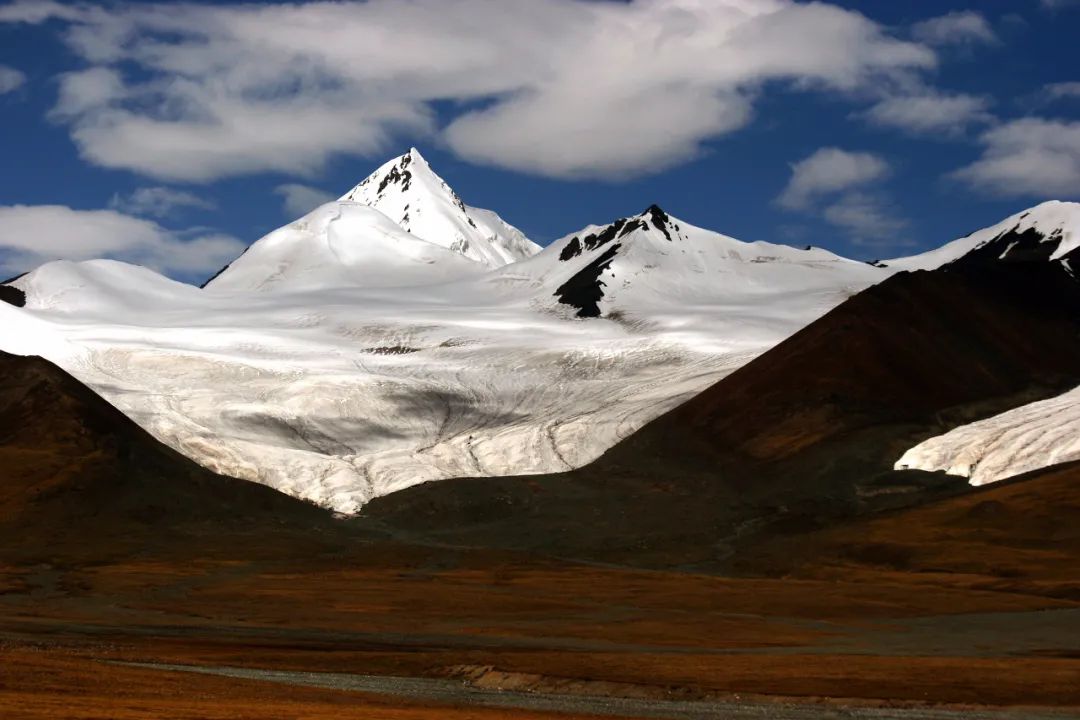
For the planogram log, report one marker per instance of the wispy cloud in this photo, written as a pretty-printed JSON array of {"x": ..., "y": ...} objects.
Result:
[
  {"x": 828, "y": 171},
  {"x": 1057, "y": 91},
  {"x": 955, "y": 28},
  {"x": 1053, "y": 5},
  {"x": 158, "y": 202},
  {"x": 10, "y": 79},
  {"x": 929, "y": 112},
  {"x": 38, "y": 11},
  {"x": 833, "y": 184},
  {"x": 1030, "y": 157},
  {"x": 33, "y": 234},
  {"x": 867, "y": 219},
  {"x": 564, "y": 88}
]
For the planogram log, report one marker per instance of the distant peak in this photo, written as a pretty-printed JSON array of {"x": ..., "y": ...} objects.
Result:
[
  {"x": 1050, "y": 209},
  {"x": 660, "y": 220},
  {"x": 397, "y": 172},
  {"x": 412, "y": 159},
  {"x": 1054, "y": 204},
  {"x": 619, "y": 229}
]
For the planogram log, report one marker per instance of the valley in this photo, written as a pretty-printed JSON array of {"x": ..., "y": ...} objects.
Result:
[
  {"x": 539, "y": 360},
  {"x": 627, "y": 475}
]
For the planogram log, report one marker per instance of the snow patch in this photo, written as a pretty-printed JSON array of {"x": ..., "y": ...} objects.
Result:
[{"x": 1027, "y": 438}]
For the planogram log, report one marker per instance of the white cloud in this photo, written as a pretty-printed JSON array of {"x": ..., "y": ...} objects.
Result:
[
  {"x": 829, "y": 171},
  {"x": 33, "y": 234},
  {"x": 299, "y": 200},
  {"x": 868, "y": 219},
  {"x": 38, "y": 11},
  {"x": 10, "y": 79},
  {"x": 956, "y": 28},
  {"x": 930, "y": 112},
  {"x": 565, "y": 88},
  {"x": 832, "y": 183},
  {"x": 88, "y": 91},
  {"x": 1028, "y": 157},
  {"x": 1057, "y": 91},
  {"x": 158, "y": 202}
]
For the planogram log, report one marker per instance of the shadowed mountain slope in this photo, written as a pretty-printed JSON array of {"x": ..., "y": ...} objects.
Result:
[
  {"x": 803, "y": 436},
  {"x": 1016, "y": 536},
  {"x": 11, "y": 294},
  {"x": 77, "y": 477}
]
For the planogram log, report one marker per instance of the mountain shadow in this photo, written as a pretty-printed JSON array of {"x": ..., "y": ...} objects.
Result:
[{"x": 80, "y": 479}]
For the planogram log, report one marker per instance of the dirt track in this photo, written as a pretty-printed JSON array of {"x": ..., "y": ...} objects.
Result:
[{"x": 457, "y": 693}]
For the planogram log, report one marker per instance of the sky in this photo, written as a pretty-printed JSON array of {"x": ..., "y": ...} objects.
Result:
[{"x": 175, "y": 134}]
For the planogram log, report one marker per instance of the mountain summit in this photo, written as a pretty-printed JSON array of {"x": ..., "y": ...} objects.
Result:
[
  {"x": 652, "y": 260},
  {"x": 1049, "y": 231},
  {"x": 411, "y": 194},
  {"x": 403, "y": 226}
]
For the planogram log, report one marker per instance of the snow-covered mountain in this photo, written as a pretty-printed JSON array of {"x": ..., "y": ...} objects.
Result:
[
  {"x": 402, "y": 226},
  {"x": 100, "y": 289},
  {"x": 1032, "y": 436},
  {"x": 1048, "y": 231},
  {"x": 409, "y": 192},
  {"x": 421, "y": 339},
  {"x": 653, "y": 261},
  {"x": 342, "y": 244},
  {"x": 342, "y": 389}
]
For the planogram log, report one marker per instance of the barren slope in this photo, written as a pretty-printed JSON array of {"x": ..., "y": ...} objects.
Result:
[{"x": 78, "y": 478}]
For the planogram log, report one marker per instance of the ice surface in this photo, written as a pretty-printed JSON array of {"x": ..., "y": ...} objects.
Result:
[{"x": 1020, "y": 440}]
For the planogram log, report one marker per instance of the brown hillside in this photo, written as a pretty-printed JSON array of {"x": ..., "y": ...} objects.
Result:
[{"x": 77, "y": 476}]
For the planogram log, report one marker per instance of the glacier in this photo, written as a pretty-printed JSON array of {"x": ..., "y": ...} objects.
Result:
[
  {"x": 356, "y": 351},
  {"x": 1030, "y": 437},
  {"x": 340, "y": 393}
]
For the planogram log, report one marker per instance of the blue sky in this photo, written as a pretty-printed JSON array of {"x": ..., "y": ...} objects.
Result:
[{"x": 166, "y": 134}]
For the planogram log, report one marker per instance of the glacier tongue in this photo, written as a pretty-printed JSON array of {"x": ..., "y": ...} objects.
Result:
[
  {"x": 1017, "y": 441},
  {"x": 340, "y": 396}
]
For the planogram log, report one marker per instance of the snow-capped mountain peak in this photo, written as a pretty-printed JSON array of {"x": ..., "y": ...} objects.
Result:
[
  {"x": 396, "y": 178},
  {"x": 342, "y": 244},
  {"x": 654, "y": 219},
  {"x": 411, "y": 194},
  {"x": 1049, "y": 231},
  {"x": 653, "y": 260},
  {"x": 402, "y": 226}
]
